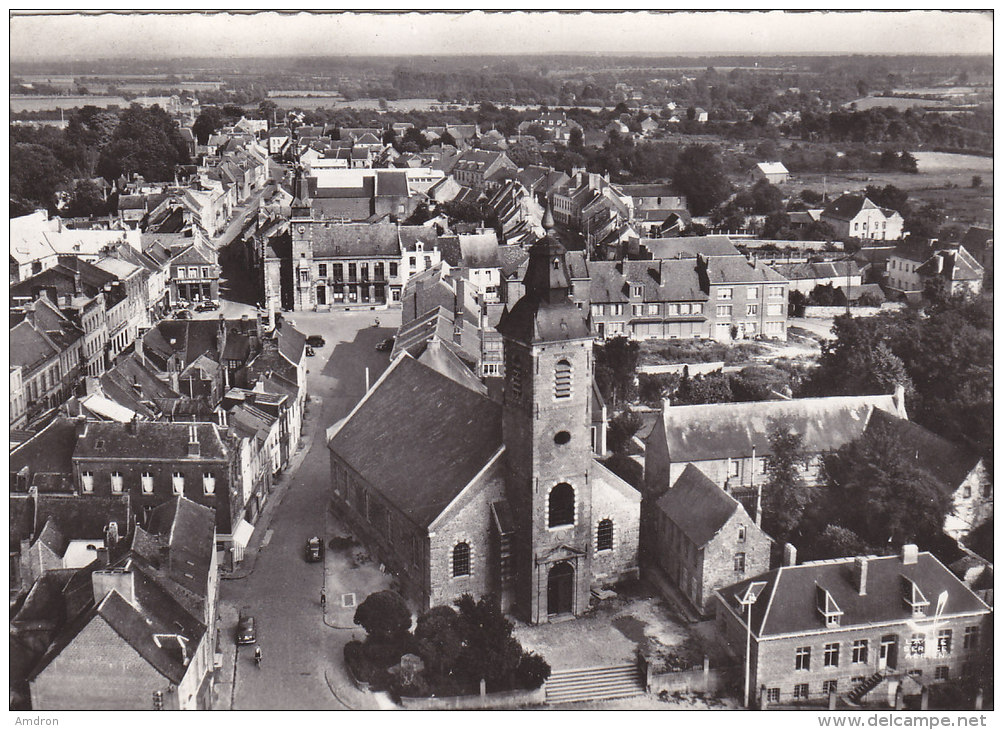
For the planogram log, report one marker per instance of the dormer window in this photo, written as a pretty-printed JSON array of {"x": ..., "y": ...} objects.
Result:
[
  {"x": 913, "y": 598},
  {"x": 636, "y": 290},
  {"x": 827, "y": 607}
]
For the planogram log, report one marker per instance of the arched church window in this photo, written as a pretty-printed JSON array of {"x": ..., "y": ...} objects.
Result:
[
  {"x": 561, "y": 506},
  {"x": 461, "y": 559},
  {"x": 604, "y": 535},
  {"x": 562, "y": 379}
]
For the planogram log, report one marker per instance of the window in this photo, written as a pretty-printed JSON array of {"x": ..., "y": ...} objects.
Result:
[
  {"x": 831, "y": 657},
  {"x": 491, "y": 368},
  {"x": 971, "y": 637},
  {"x": 412, "y": 261},
  {"x": 723, "y": 310},
  {"x": 562, "y": 379},
  {"x": 146, "y": 480},
  {"x": 352, "y": 271},
  {"x": 208, "y": 483},
  {"x": 178, "y": 482},
  {"x": 724, "y": 293},
  {"x": 652, "y": 309},
  {"x": 802, "y": 658},
  {"x": 205, "y": 272},
  {"x": 696, "y": 309},
  {"x": 773, "y": 694},
  {"x": 116, "y": 482},
  {"x": 87, "y": 483},
  {"x": 561, "y": 506},
  {"x": 604, "y": 535},
  {"x": 461, "y": 559},
  {"x": 917, "y": 645},
  {"x": 322, "y": 271},
  {"x": 751, "y": 310},
  {"x": 857, "y": 680},
  {"x": 514, "y": 372},
  {"x": 741, "y": 533},
  {"x": 637, "y": 309},
  {"x": 801, "y": 691},
  {"x": 944, "y": 640},
  {"x": 393, "y": 268},
  {"x": 987, "y": 490},
  {"x": 428, "y": 262},
  {"x": 752, "y": 292},
  {"x": 597, "y": 310},
  {"x": 733, "y": 467},
  {"x": 304, "y": 275},
  {"x": 617, "y": 309},
  {"x": 829, "y": 686},
  {"x": 859, "y": 651},
  {"x": 776, "y": 292},
  {"x": 942, "y": 673},
  {"x": 636, "y": 290},
  {"x": 763, "y": 465},
  {"x": 674, "y": 310},
  {"x": 739, "y": 562},
  {"x": 967, "y": 493},
  {"x": 774, "y": 310}
]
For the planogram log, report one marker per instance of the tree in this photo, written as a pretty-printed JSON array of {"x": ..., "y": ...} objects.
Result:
[
  {"x": 712, "y": 387},
  {"x": 885, "y": 493},
  {"x": 533, "y": 671},
  {"x": 925, "y": 222},
  {"x": 207, "y": 124},
  {"x": 615, "y": 368},
  {"x": 700, "y": 176},
  {"x": 785, "y": 494},
  {"x": 576, "y": 139},
  {"x": 146, "y": 142},
  {"x": 490, "y": 651},
  {"x": 538, "y": 131},
  {"x": 384, "y": 615},
  {"x": 266, "y": 109},
  {"x": 621, "y": 430},
  {"x": 908, "y": 163},
  {"x": 837, "y": 542},
  {"x": 35, "y": 175},
  {"x": 86, "y": 200},
  {"x": 439, "y": 639}
]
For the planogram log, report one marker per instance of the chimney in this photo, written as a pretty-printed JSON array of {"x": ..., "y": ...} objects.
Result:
[
  {"x": 899, "y": 398},
  {"x": 77, "y": 285},
  {"x": 132, "y": 426},
  {"x": 860, "y": 574},
  {"x": 193, "y": 441},
  {"x": 790, "y": 555},
  {"x": 102, "y": 558},
  {"x": 910, "y": 554},
  {"x": 114, "y": 579},
  {"x": 138, "y": 349},
  {"x": 111, "y": 535},
  {"x": 938, "y": 263},
  {"x": 81, "y": 426}
]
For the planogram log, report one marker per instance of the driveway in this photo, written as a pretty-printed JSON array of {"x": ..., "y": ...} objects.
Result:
[{"x": 302, "y": 656}]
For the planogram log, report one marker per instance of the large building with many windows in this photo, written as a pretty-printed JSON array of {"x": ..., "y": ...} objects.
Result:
[{"x": 857, "y": 627}]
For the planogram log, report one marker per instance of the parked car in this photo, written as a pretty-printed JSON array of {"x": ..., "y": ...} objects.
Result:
[
  {"x": 310, "y": 351},
  {"x": 207, "y": 306},
  {"x": 245, "y": 627},
  {"x": 183, "y": 314},
  {"x": 314, "y": 550},
  {"x": 386, "y": 345},
  {"x": 315, "y": 341}
]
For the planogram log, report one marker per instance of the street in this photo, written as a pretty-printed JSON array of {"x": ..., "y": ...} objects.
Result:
[{"x": 302, "y": 656}]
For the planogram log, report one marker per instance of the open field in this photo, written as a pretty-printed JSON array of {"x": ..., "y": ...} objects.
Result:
[
  {"x": 870, "y": 102},
  {"x": 46, "y": 103},
  {"x": 322, "y": 102},
  {"x": 943, "y": 178}
]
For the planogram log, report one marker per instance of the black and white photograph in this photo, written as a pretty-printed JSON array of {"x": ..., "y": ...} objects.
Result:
[{"x": 536, "y": 360}]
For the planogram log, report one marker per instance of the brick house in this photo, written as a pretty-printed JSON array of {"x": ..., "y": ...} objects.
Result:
[
  {"x": 194, "y": 274},
  {"x": 729, "y": 442},
  {"x": 859, "y": 627},
  {"x": 855, "y": 216},
  {"x": 701, "y": 538},
  {"x": 473, "y": 168},
  {"x": 144, "y": 640},
  {"x": 486, "y": 497}
]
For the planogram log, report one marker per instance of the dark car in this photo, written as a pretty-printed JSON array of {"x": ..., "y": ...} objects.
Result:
[
  {"x": 309, "y": 351},
  {"x": 386, "y": 345},
  {"x": 315, "y": 341},
  {"x": 245, "y": 627},
  {"x": 183, "y": 314},
  {"x": 314, "y": 550},
  {"x": 207, "y": 307}
]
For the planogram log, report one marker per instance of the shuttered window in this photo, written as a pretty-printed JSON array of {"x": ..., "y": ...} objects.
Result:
[{"x": 562, "y": 379}]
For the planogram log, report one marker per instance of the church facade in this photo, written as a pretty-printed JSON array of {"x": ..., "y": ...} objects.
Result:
[{"x": 458, "y": 493}]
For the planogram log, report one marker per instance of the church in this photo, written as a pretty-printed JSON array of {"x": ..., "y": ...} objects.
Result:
[{"x": 458, "y": 493}]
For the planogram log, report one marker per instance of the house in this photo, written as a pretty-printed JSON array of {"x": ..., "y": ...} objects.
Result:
[
  {"x": 419, "y": 250},
  {"x": 520, "y": 216},
  {"x": 700, "y": 115},
  {"x": 194, "y": 274},
  {"x": 804, "y": 277},
  {"x": 279, "y": 139},
  {"x": 979, "y": 243},
  {"x": 855, "y": 216},
  {"x": 911, "y": 267},
  {"x": 716, "y": 297},
  {"x": 961, "y": 473},
  {"x": 617, "y": 127},
  {"x": 772, "y": 172},
  {"x": 152, "y": 613},
  {"x": 486, "y": 497},
  {"x": 701, "y": 538},
  {"x": 649, "y": 125},
  {"x": 730, "y": 442},
  {"x": 475, "y": 168},
  {"x": 859, "y": 628}
]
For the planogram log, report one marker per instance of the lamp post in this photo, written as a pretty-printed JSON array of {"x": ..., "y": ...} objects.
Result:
[{"x": 747, "y": 599}]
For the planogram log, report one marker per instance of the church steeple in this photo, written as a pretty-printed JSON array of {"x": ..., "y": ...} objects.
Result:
[
  {"x": 547, "y": 277},
  {"x": 301, "y": 195}
]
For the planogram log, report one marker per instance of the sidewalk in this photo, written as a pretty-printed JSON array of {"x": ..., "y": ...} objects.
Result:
[{"x": 279, "y": 489}]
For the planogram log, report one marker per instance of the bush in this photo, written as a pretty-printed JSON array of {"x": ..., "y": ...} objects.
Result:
[
  {"x": 384, "y": 616},
  {"x": 533, "y": 671}
]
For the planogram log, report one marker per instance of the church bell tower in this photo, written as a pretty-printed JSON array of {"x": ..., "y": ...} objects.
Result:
[{"x": 546, "y": 432}]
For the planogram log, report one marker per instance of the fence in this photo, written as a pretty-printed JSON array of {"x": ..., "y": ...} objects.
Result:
[
  {"x": 515, "y": 698},
  {"x": 815, "y": 312}
]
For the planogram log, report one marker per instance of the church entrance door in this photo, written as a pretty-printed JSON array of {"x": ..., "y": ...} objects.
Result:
[{"x": 560, "y": 589}]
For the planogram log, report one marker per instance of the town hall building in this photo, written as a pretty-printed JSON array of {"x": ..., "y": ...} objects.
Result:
[{"x": 458, "y": 493}]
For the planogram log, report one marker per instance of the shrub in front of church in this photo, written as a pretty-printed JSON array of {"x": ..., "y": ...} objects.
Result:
[{"x": 457, "y": 648}]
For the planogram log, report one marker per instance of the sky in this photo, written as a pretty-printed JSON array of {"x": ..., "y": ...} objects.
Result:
[{"x": 64, "y": 37}]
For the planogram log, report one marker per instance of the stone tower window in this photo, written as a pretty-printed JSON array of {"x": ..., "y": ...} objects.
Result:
[
  {"x": 561, "y": 506},
  {"x": 562, "y": 379},
  {"x": 461, "y": 559},
  {"x": 604, "y": 535},
  {"x": 514, "y": 369}
]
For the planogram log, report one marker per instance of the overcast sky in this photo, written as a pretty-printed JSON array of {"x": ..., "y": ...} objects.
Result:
[{"x": 36, "y": 38}]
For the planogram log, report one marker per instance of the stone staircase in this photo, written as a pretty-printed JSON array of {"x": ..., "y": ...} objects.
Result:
[
  {"x": 594, "y": 683},
  {"x": 856, "y": 694}
]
